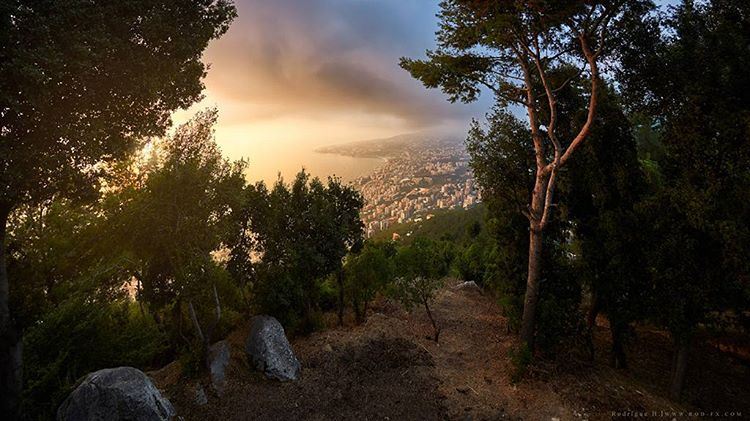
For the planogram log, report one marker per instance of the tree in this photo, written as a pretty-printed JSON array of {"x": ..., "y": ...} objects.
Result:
[
  {"x": 80, "y": 83},
  {"x": 368, "y": 273},
  {"x": 688, "y": 73},
  {"x": 502, "y": 160},
  {"x": 174, "y": 222},
  {"x": 300, "y": 234},
  {"x": 511, "y": 48},
  {"x": 602, "y": 191},
  {"x": 420, "y": 268},
  {"x": 346, "y": 203}
]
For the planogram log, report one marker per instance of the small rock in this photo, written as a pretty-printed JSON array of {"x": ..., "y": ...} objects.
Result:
[
  {"x": 200, "y": 396},
  {"x": 468, "y": 285},
  {"x": 327, "y": 348},
  {"x": 218, "y": 359}
]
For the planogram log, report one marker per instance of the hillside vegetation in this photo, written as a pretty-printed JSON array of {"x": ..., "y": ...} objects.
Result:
[{"x": 452, "y": 225}]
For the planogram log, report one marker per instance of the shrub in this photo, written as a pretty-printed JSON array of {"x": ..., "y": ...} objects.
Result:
[
  {"x": 520, "y": 358},
  {"x": 78, "y": 337}
]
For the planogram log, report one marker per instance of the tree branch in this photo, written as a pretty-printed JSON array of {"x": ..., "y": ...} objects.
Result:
[
  {"x": 584, "y": 132},
  {"x": 551, "y": 101},
  {"x": 531, "y": 111},
  {"x": 197, "y": 325},
  {"x": 548, "y": 196}
]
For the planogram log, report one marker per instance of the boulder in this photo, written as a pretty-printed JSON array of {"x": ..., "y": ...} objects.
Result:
[
  {"x": 269, "y": 351},
  {"x": 122, "y": 393},
  {"x": 218, "y": 361}
]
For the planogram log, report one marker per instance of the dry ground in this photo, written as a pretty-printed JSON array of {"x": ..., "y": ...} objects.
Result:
[{"x": 388, "y": 369}]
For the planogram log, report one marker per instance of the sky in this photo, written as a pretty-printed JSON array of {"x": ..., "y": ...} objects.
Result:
[{"x": 292, "y": 75}]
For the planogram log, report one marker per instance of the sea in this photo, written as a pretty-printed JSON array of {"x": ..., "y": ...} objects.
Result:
[{"x": 267, "y": 164}]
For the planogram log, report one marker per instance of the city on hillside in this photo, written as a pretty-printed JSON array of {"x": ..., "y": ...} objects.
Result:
[{"x": 421, "y": 173}]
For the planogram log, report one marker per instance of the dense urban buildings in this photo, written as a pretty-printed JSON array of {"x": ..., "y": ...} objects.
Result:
[{"x": 418, "y": 176}]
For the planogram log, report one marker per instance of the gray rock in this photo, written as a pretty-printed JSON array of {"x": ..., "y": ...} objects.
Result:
[
  {"x": 122, "y": 393},
  {"x": 218, "y": 361},
  {"x": 468, "y": 285},
  {"x": 200, "y": 396},
  {"x": 269, "y": 351}
]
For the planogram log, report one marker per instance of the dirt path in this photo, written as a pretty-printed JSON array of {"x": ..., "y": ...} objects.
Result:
[
  {"x": 474, "y": 368},
  {"x": 389, "y": 369}
]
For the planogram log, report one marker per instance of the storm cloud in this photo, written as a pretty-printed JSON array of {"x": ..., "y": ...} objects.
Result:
[{"x": 315, "y": 58}]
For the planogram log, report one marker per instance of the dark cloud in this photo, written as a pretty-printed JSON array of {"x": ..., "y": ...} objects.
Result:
[{"x": 308, "y": 57}]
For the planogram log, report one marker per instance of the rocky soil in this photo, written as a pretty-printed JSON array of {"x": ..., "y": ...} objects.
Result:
[{"x": 389, "y": 369}]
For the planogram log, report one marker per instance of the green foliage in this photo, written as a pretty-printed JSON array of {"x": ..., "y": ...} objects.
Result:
[
  {"x": 452, "y": 225},
  {"x": 693, "y": 86},
  {"x": 77, "y": 337},
  {"x": 600, "y": 194},
  {"x": 156, "y": 232},
  {"x": 82, "y": 82},
  {"x": 328, "y": 300},
  {"x": 478, "y": 43},
  {"x": 302, "y": 231},
  {"x": 422, "y": 259},
  {"x": 420, "y": 268},
  {"x": 181, "y": 212},
  {"x": 520, "y": 359},
  {"x": 471, "y": 263},
  {"x": 559, "y": 318},
  {"x": 56, "y": 251},
  {"x": 369, "y": 273},
  {"x": 502, "y": 159}
]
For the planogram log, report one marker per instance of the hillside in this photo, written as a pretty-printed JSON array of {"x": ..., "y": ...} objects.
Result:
[
  {"x": 387, "y": 369},
  {"x": 446, "y": 224},
  {"x": 392, "y": 146}
]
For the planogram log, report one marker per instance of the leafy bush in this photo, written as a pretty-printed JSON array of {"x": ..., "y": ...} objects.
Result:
[
  {"x": 78, "y": 337},
  {"x": 520, "y": 359},
  {"x": 421, "y": 267},
  {"x": 368, "y": 274}
]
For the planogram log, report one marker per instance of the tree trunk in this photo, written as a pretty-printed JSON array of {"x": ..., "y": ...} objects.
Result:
[
  {"x": 340, "y": 282},
  {"x": 10, "y": 339},
  {"x": 357, "y": 311},
  {"x": 532, "y": 286},
  {"x": 196, "y": 325},
  {"x": 432, "y": 320},
  {"x": 217, "y": 312},
  {"x": 618, "y": 350},
  {"x": 593, "y": 311},
  {"x": 591, "y": 325},
  {"x": 679, "y": 367}
]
